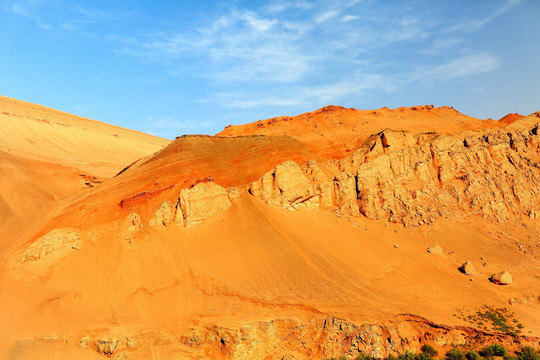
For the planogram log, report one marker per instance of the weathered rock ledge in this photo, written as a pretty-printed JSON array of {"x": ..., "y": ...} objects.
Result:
[{"x": 414, "y": 180}]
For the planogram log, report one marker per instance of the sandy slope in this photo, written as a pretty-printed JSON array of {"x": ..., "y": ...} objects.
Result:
[
  {"x": 256, "y": 263},
  {"x": 252, "y": 265},
  {"x": 36, "y": 132},
  {"x": 48, "y": 155}
]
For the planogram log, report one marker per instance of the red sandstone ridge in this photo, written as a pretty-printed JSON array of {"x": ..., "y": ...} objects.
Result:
[
  {"x": 510, "y": 118},
  {"x": 335, "y": 131},
  {"x": 321, "y": 235}
]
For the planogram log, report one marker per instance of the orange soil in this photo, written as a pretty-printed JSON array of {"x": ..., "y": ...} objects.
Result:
[
  {"x": 510, "y": 118},
  {"x": 334, "y": 131},
  {"x": 249, "y": 263}
]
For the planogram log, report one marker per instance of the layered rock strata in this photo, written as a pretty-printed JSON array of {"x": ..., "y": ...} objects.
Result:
[{"x": 413, "y": 180}]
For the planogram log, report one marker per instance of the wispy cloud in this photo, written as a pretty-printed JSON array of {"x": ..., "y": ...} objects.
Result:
[
  {"x": 441, "y": 45},
  {"x": 28, "y": 10},
  {"x": 330, "y": 14},
  {"x": 459, "y": 68},
  {"x": 268, "y": 48},
  {"x": 308, "y": 96},
  {"x": 280, "y": 6},
  {"x": 63, "y": 19},
  {"x": 475, "y": 24}
]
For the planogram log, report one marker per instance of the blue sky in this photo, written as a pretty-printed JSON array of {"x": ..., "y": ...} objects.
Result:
[{"x": 181, "y": 67}]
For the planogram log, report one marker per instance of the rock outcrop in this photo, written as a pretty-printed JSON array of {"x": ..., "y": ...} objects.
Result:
[
  {"x": 200, "y": 202},
  {"x": 286, "y": 186},
  {"x": 502, "y": 278},
  {"x": 192, "y": 206},
  {"x": 288, "y": 339},
  {"x": 414, "y": 180},
  {"x": 437, "y": 250},
  {"x": 467, "y": 268},
  {"x": 164, "y": 215},
  {"x": 56, "y": 241}
]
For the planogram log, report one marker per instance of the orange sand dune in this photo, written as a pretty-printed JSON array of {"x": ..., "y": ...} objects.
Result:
[{"x": 36, "y": 132}]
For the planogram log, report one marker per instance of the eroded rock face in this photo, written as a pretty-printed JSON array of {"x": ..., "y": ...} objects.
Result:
[
  {"x": 56, "y": 241},
  {"x": 200, "y": 202},
  {"x": 286, "y": 186},
  {"x": 414, "y": 180},
  {"x": 193, "y": 205},
  {"x": 164, "y": 215}
]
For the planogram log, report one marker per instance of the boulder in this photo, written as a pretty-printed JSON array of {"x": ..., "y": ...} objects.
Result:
[
  {"x": 107, "y": 345},
  {"x": 467, "y": 268},
  {"x": 437, "y": 250},
  {"x": 502, "y": 278}
]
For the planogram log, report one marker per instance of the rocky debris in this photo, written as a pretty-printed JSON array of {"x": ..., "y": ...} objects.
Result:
[
  {"x": 163, "y": 216},
  {"x": 90, "y": 180},
  {"x": 56, "y": 241},
  {"x": 524, "y": 300},
  {"x": 200, "y": 202},
  {"x": 502, "y": 278},
  {"x": 134, "y": 222},
  {"x": 143, "y": 198},
  {"x": 131, "y": 342},
  {"x": 467, "y": 268},
  {"x": 84, "y": 342},
  {"x": 288, "y": 339},
  {"x": 437, "y": 250},
  {"x": 107, "y": 345},
  {"x": 414, "y": 180},
  {"x": 233, "y": 193}
]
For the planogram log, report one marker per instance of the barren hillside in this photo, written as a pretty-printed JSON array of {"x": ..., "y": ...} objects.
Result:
[{"x": 324, "y": 234}]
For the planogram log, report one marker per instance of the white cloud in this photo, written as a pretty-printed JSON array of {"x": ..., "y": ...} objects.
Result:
[
  {"x": 459, "y": 68},
  {"x": 269, "y": 57},
  {"x": 348, "y": 18},
  {"x": 442, "y": 45},
  {"x": 280, "y": 6},
  {"x": 476, "y": 24},
  {"x": 326, "y": 16},
  {"x": 357, "y": 84}
]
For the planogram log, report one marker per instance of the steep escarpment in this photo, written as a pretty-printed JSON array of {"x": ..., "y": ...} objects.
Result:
[{"x": 414, "y": 179}]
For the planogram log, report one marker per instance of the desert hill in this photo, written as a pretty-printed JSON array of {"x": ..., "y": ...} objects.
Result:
[
  {"x": 335, "y": 131},
  {"x": 48, "y": 155},
  {"x": 296, "y": 239},
  {"x": 36, "y": 132},
  {"x": 510, "y": 118}
]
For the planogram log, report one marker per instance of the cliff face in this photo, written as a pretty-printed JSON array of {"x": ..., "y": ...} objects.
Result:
[{"x": 415, "y": 179}]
